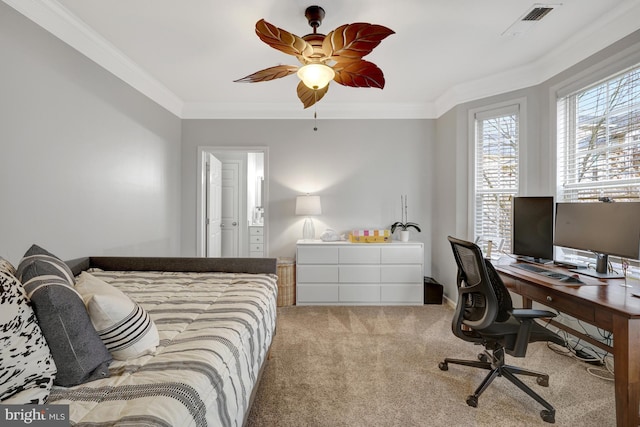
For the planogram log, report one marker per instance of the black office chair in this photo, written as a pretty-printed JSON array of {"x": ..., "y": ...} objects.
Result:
[{"x": 485, "y": 315}]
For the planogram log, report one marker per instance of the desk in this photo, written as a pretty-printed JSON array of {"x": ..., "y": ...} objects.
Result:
[{"x": 608, "y": 306}]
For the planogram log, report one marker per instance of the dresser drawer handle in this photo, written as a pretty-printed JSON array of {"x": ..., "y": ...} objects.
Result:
[{"x": 549, "y": 298}]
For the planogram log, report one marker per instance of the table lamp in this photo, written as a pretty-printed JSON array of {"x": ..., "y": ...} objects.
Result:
[{"x": 308, "y": 205}]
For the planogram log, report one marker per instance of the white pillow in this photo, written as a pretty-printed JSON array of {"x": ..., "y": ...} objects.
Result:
[
  {"x": 7, "y": 267},
  {"x": 126, "y": 329}
]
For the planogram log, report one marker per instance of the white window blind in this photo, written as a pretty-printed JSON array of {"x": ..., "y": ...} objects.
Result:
[
  {"x": 599, "y": 141},
  {"x": 599, "y": 147},
  {"x": 496, "y": 171}
]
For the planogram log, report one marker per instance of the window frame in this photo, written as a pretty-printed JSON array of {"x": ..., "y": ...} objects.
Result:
[
  {"x": 617, "y": 65},
  {"x": 517, "y": 106}
]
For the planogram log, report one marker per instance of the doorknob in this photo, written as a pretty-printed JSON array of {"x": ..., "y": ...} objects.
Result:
[{"x": 234, "y": 223}]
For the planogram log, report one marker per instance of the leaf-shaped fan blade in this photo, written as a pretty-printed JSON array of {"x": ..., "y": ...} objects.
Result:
[
  {"x": 269, "y": 74},
  {"x": 359, "y": 74},
  {"x": 353, "y": 41},
  {"x": 310, "y": 96},
  {"x": 282, "y": 40}
]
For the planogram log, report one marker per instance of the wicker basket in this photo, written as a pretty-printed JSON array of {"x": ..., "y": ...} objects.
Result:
[{"x": 286, "y": 269}]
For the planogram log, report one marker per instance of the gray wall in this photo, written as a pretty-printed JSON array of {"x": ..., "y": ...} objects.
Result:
[
  {"x": 450, "y": 211},
  {"x": 358, "y": 167},
  {"x": 88, "y": 165}
]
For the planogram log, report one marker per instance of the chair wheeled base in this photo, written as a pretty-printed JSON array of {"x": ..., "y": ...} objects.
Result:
[{"x": 495, "y": 364}]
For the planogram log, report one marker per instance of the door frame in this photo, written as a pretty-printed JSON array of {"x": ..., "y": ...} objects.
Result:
[
  {"x": 201, "y": 175},
  {"x": 217, "y": 216}
]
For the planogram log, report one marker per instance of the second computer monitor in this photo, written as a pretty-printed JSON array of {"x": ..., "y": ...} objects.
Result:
[
  {"x": 602, "y": 228},
  {"x": 533, "y": 219}
]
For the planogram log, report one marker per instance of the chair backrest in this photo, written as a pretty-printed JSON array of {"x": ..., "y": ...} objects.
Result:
[{"x": 482, "y": 296}]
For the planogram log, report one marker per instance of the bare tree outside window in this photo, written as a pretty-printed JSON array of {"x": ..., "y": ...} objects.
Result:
[
  {"x": 599, "y": 141},
  {"x": 497, "y": 173}
]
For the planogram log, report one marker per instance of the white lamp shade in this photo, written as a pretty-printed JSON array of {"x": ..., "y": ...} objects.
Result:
[
  {"x": 316, "y": 76},
  {"x": 308, "y": 205}
]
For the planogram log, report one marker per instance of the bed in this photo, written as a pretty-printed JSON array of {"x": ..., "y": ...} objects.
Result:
[{"x": 215, "y": 320}]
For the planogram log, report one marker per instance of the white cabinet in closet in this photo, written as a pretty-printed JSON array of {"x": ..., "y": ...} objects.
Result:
[{"x": 256, "y": 242}]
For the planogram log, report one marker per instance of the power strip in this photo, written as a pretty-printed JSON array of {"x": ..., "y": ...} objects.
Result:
[{"x": 588, "y": 358}]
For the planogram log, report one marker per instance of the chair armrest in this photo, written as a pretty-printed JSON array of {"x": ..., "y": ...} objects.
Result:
[{"x": 527, "y": 313}]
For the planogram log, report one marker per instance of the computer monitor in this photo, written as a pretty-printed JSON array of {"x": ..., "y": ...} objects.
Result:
[
  {"x": 602, "y": 228},
  {"x": 533, "y": 229}
]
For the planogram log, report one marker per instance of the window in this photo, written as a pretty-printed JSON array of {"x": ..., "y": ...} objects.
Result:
[
  {"x": 497, "y": 140},
  {"x": 599, "y": 141},
  {"x": 598, "y": 147}
]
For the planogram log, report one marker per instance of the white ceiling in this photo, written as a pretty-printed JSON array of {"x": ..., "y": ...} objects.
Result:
[{"x": 186, "y": 54}]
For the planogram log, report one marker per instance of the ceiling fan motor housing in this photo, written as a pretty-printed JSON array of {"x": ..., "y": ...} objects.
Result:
[{"x": 315, "y": 40}]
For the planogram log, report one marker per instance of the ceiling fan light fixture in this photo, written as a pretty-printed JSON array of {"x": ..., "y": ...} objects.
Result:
[
  {"x": 316, "y": 76},
  {"x": 335, "y": 56}
]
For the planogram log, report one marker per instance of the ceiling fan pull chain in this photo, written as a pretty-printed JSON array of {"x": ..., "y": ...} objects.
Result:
[{"x": 315, "y": 111}]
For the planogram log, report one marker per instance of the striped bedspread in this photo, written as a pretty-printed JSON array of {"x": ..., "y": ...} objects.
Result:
[{"x": 215, "y": 330}]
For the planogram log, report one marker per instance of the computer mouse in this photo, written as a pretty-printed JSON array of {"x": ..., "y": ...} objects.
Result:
[{"x": 571, "y": 279}]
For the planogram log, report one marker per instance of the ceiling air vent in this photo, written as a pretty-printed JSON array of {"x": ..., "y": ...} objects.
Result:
[
  {"x": 531, "y": 17},
  {"x": 537, "y": 13}
]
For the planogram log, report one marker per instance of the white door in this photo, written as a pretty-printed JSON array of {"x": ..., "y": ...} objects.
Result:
[
  {"x": 214, "y": 207},
  {"x": 230, "y": 209}
]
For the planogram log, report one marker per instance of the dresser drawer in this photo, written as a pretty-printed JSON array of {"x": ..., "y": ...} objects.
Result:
[
  {"x": 256, "y": 231},
  {"x": 317, "y": 255},
  {"x": 256, "y": 247},
  {"x": 359, "y": 274},
  {"x": 317, "y": 293},
  {"x": 317, "y": 273},
  {"x": 359, "y": 255},
  {"x": 256, "y": 239},
  {"x": 402, "y": 293},
  {"x": 359, "y": 293},
  {"x": 402, "y": 255},
  {"x": 401, "y": 274}
]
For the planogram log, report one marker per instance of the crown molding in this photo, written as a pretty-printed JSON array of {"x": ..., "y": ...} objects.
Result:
[
  {"x": 55, "y": 18},
  {"x": 295, "y": 111}
]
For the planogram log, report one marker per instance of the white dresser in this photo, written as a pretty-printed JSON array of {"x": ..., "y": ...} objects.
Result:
[
  {"x": 344, "y": 273},
  {"x": 256, "y": 241}
]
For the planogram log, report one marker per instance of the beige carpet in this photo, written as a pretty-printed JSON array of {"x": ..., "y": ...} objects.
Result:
[{"x": 378, "y": 366}]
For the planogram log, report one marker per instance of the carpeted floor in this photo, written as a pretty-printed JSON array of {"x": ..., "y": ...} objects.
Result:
[{"x": 378, "y": 366}]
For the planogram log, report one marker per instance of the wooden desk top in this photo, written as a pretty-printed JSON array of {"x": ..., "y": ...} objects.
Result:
[{"x": 601, "y": 294}]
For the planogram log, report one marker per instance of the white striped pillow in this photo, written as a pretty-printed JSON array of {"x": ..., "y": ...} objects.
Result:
[{"x": 126, "y": 329}]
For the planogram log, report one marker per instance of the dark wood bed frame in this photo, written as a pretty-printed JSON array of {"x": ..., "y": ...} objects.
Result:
[{"x": 183, "y": 264}]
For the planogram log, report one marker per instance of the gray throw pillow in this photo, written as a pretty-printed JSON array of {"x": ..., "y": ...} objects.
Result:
[
  {"x": 41, "y": 262},
  {"x": 78, "y": 351}
]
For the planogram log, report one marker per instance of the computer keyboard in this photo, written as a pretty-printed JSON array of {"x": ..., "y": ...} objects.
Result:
[
  {"x": 530, "y": 267},
  {"x": 547, "y": 273}
]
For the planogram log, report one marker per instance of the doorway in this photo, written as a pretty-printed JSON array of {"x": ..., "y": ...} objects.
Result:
[{"x": 232, "y": 215}]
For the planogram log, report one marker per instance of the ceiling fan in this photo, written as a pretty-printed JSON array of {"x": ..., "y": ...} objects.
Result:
[{"x": 336, "y": 56}]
